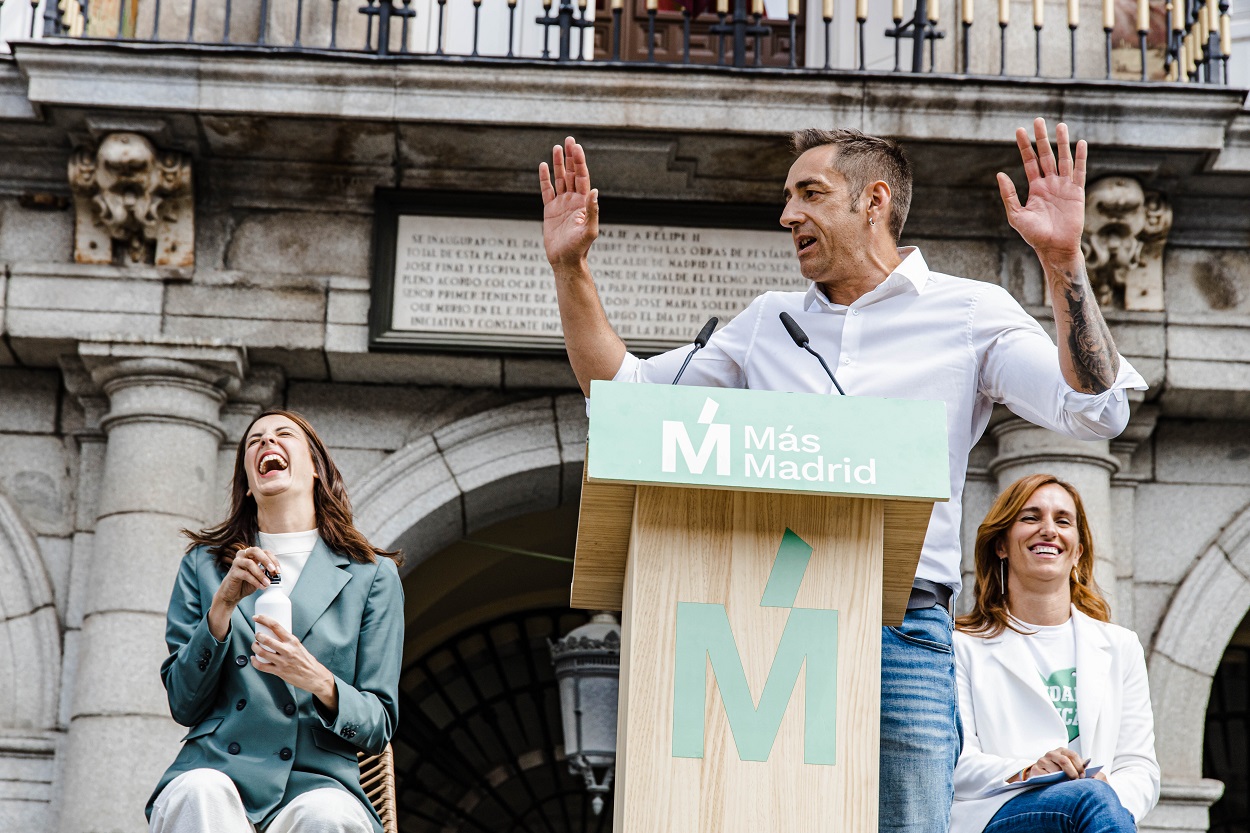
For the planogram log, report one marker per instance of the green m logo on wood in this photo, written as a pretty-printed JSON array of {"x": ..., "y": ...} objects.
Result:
[{"x": 810, "y": 636}]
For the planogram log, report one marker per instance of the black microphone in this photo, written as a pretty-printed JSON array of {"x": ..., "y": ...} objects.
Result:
[
  {"x": 801, "y": 339},
  {"x": 700, "y": 341}
]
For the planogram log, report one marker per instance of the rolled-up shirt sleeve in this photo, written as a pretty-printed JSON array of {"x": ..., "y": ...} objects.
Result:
[
  {"x": 630, "y": 369},
  {"x": 711, "y": 367},
  {"x": 718, "y": 365},
  {"x": 1092, "y": 406},
  {"x": 1020, "y": 368}
]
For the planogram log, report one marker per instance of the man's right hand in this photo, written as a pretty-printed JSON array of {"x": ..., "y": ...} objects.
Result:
[
  {"x": 570, "y": 225},
  {"x": 570, "y": 206},
  {"x": 246, "y": 576}
]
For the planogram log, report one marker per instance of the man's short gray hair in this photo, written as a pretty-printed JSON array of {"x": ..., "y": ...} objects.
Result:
[{"x": 863, "y": 160}]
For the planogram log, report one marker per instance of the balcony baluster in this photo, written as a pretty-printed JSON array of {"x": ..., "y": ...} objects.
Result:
[{"x": 1195, "y": 45}]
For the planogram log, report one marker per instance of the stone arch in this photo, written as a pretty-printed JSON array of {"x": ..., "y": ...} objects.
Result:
[
  {"x": 442, "y": 486},
  {"x": 1204, "y": 612},
  {"x": 30, "y": 636}
]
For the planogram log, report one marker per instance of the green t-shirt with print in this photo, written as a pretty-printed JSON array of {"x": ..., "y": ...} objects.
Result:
[{"x": 1061, "y": 689}]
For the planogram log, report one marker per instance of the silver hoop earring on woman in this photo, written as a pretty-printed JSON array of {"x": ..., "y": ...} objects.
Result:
[{"x": 1002, "y": 576}]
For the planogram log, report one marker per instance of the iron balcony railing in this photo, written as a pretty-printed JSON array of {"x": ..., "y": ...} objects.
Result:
[{"x": 1184, "y": 41}]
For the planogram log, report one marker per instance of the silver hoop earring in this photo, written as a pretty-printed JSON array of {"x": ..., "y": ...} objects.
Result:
[
  {"x": 1002, "y": 576},
  {"x": 871, "y": 221}
]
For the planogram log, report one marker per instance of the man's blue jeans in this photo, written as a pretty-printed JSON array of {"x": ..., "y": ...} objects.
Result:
[
  {"x": 1084, "y": 806},
  {"x": 920, "y": 731}
]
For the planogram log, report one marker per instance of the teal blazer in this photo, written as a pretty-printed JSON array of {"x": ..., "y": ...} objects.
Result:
[{"x": 270, "y": 737}]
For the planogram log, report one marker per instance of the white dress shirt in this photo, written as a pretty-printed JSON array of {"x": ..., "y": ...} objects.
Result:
[{"x": 917, "y": 335}]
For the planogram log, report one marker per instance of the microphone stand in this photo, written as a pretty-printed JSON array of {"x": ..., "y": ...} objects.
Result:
[
  {"x": 800, "y": 338},
  {"x": 700, "y": 341},
  {"x": 828, "y": 372}
]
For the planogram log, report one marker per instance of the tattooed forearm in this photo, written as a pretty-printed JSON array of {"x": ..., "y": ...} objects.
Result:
[{"x": 1092, "y": 350}]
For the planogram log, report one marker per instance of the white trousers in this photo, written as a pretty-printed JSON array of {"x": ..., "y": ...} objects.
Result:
[{"x": 206, "y": 801}]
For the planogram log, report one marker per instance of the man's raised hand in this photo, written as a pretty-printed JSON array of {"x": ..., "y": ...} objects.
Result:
[
  {"x": 570, "y": 205},
  {"x": 570, "y": 226},
  {"x": 1052, "y": 219},
  {"x": 1051, "y": 222}
]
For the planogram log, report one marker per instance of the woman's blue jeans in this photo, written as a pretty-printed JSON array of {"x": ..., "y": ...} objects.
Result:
[
  {"x": 1084, "y": 806},
  {"x": 920, "y": 731}
]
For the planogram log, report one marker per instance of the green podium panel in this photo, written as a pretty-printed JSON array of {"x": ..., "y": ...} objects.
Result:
[{"x": 723, "y": 438}]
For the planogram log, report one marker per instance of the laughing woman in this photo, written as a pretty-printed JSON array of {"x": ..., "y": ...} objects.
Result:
[
  {"x": 273, "y": 743},
  {"x": 1058, "y": 731}
]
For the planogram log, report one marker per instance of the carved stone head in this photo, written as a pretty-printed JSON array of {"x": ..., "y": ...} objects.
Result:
[
  {"x": 134, "y": 196},
  {"x": 1122, "y": 221}
]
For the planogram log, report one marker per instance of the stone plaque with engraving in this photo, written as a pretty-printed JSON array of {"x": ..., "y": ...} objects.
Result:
[{"x": 476, "y": 282}]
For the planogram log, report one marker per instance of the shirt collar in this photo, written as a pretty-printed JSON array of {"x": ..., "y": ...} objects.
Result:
[
  {"x": 913, "y": 272},
  {"x": 913, "y": 268}
]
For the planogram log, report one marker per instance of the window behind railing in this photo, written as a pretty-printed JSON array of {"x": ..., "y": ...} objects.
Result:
[
  {"x": 1145, "y": 40},
  {"x": 18, "y": 20}
]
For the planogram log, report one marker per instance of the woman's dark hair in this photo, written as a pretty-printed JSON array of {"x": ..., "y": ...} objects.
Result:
[
  {"x": 990, "y": 614},
  {"x": 333, "y": 509}
]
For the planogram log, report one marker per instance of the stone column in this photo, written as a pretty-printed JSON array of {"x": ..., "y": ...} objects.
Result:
[
  {"x": 1024, "y": 448},
  {"x": 1184, "y": 806},
  {"x": 163, "y": 429},
  {"x": 1135, "y": 468}
]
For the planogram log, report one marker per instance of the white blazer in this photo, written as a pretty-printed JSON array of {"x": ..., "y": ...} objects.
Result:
[{"x": 1009, "y": 722}]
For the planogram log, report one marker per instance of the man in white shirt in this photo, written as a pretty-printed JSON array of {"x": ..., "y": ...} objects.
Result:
[{"x": 889, "y": 327}]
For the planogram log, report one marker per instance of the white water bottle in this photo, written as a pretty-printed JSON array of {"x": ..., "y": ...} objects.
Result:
[{"x": 273, "y": 602}]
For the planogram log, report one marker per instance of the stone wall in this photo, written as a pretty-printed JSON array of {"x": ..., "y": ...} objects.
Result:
[
  {"x": 435, "y": 445},
  {"x": 38, "y": 599}
]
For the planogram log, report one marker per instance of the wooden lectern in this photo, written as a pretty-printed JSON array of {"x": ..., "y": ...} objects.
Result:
[{"x": 755, "y": 542}]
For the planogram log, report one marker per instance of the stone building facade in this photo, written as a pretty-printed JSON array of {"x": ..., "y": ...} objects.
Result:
[{"x": 186, "y": 238}]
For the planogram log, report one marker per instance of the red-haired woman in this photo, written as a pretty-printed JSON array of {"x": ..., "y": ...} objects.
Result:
[
  {"x": 1057, "y": 727},
  {"x": 273, "y": 742}
]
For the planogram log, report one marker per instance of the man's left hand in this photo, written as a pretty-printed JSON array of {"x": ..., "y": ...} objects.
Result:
[
  {"x": 290, "y": 660},
  {"x": 1052, "y": 222},
  {"x": 1052, "y": 219}
]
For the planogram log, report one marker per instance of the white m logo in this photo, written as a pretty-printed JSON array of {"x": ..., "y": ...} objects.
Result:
[{"x": 716, "y": 439}]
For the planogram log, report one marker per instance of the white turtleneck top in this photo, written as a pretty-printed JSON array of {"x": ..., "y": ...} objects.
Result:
[{"x": 292, "y": 550}]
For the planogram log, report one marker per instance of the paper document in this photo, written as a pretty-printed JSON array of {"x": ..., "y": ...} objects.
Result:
[{"x": 1040, "y": 780}]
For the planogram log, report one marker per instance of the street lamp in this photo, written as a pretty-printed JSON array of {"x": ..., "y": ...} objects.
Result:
[{"x": 588, "y": 664}]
